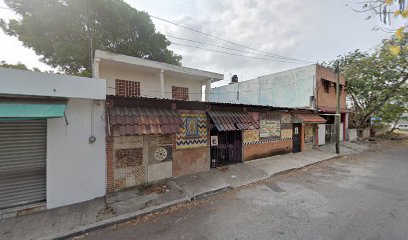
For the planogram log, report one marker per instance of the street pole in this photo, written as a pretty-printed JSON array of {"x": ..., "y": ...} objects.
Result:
[{"x": 337, "y": 109}]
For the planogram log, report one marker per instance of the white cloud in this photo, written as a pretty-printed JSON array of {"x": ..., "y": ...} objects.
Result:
[{"x": 314, "y": 30}]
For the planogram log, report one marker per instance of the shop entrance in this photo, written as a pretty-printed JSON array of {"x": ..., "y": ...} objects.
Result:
[{"x": 226, "y": 148}]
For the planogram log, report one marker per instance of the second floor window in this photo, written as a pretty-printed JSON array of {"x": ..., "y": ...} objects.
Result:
[
  {"x": 179, "y": 93},
  {"x": 326, "y": 86},
  {"x": 126, "y": 88}
]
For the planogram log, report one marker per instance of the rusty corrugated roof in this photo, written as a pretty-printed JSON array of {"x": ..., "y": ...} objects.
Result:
[
  {"x": 310, "y": 118},
  {"x": 141, "y": 121},
  {"x": 231, "y": 121}
]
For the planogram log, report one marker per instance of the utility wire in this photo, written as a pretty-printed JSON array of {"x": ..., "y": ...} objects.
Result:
[
  {"x": 233, "y": 54},
  {"x": 227, "y": 41},
  {"x": 219, "y": 46}
]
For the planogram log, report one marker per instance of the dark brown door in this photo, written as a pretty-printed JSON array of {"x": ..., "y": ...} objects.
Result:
[
  {"x": 296, "y": 137},
  {"x": 228, "y": 150}
]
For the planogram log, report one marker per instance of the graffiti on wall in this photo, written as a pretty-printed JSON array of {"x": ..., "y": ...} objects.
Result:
[
  {"x": 251, "y": 136},
  {"x": 193, "y": 133}
]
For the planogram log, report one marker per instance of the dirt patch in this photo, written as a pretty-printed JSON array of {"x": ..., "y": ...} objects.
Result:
[{"x": 158, "y": 188}]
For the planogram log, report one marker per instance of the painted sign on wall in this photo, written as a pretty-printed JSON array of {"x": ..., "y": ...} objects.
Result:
[
  {"x": 251, "y": 136},
  {"x": 269, "y": 128}
]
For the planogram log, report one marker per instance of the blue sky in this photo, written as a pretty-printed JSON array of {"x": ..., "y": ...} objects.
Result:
[{"x": 314, "y": 30}]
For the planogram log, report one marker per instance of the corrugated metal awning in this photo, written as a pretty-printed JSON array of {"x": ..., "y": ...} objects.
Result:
[
  {"x": 142, "y": 121},
  {"x": 232, "y": 121},
  {"x": 309, "y": 118}
]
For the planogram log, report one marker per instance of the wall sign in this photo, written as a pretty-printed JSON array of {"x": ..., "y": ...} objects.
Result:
[
  {"x": 251, "y": 136},
  {"x": 214, "y": 140},
  {"x": 269, "y": 128}
]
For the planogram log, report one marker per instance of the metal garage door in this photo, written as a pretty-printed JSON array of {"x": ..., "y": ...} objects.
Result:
[{"x": 22, "y": 162}]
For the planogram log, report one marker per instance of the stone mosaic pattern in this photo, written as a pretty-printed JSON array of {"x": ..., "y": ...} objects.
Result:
[
  {"x": 309, "y": 136},
  {"x": 129, "y": 169},
  {"x": 193, "y": 133},
  {"x": 160, "y": 148},
  {"x": 129, "y": 157}
]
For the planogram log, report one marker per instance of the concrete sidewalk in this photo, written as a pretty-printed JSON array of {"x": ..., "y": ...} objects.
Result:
[{"x": 126, "y": 205}]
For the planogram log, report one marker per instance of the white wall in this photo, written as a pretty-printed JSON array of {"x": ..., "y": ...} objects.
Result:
[
  {"x": 75, "y": 168},
  {"x": 149, "y": 82},
  {"x": 20, "y": 82},
  {"x": 291, "y": 88}
]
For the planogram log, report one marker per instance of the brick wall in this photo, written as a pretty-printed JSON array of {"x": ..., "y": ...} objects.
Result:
[
  {"x": 262, "y": 150},
  {"x": 328, "y": 100},
  {"x": 109, "y": 166}
]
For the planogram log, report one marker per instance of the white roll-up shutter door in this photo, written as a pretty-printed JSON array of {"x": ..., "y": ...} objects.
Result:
[{"x": 22, "y": 162}]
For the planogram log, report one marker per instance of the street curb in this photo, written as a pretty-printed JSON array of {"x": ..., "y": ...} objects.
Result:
[
  {"x": 115, "y": 220},
  {"x": 130, "y": 216},
  {"x": 210, "y": 193}
]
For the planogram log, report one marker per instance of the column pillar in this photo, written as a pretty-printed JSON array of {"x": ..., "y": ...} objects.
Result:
[
  {"x": 208, "y": 90},
  {"x": 162, "y": 83},
  {"x": 95, "y": 69}
]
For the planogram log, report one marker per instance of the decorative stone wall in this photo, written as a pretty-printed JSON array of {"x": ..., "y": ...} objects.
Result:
[
  {"x": 128, "y": 162},
  {"x": 310, "y": 130},
  {"x": 160, "y": 157}
]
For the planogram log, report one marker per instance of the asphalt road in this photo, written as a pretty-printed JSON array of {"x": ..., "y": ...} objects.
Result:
[{"x": 360, "y": 197}]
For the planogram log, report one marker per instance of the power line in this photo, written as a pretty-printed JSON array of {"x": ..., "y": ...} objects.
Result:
[
  {"x": 227, "y": 41},
  {"x": 218, "y": 46},
  {"x": 233, "y": 54}
]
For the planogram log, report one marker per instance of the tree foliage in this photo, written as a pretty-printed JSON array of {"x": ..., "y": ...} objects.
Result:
[
  {"x": 388, "y": 11},
  {"x": 377, "y": 81},
  {"x": 63, "y": 31},
  {"x": 18, "y": 66}
]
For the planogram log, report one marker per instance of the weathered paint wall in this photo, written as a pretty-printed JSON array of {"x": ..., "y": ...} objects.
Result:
[
  {"x": 76, "y": 168},
  {"x": 20, "y": 82},
  {"x": 266, "y": 149},
  {"x": 292, "y": 88},
  {"x": 274, "y": 136},
  {"x": 328, "y": 100},
  {"x": 149, "y": 82},
  {"x": 191, "y": 161}
]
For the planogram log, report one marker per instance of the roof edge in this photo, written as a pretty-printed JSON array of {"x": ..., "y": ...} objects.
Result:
[{"x": 159, "y": 65}]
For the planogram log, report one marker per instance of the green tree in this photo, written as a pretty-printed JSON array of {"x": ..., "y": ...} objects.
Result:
[
  {"x": 63, "y": 32},
  {"x": 375, "y": 81},
  {"x": 387, "y": 11},
  {"x": 19, "y": 66},
  {"x": 394, "y": 111}
]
